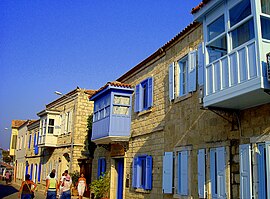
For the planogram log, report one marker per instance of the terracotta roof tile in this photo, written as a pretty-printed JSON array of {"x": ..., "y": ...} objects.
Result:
[
  {"x": 17, "y": 123},
  {"x": 198, "y": 7},
  {"x": 31, "y": 122},
  {"x": 115, "y": 83},
  {"x": 90, "y": 92}
]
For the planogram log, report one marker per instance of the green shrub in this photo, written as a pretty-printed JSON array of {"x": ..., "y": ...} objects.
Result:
[{"x": 101, "y": 186}]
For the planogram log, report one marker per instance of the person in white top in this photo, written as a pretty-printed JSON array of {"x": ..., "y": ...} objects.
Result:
[
  {"x": 81, "y": 186},
  {"x": 66, "y": 183}
]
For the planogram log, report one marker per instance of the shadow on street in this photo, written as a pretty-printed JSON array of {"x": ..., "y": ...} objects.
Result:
[{"x": 6, "y": 190}]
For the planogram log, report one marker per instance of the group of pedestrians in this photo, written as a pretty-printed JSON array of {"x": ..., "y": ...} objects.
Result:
[{"x": 53, "y": 187}]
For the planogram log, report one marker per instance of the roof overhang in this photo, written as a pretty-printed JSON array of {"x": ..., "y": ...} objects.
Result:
[
  {"x": 109, "y": 87},
  {"x": 206, "y": 8}
]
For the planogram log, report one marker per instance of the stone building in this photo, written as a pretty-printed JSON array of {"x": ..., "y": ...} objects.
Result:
[
  {"x": 15, "y": 124},
  {"x": 21, "y": 166},
  {"x": 63, "y": 135},
  {"x": 33, "y": 153},
  {"x": 196, "y": 124}
]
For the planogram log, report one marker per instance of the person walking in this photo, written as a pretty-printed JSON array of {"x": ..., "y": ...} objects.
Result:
[
  {"x": 66, "y": 187},
  {"x": 81, "y": 186},
  {"x": 60, "y": 184},
  {"x": 7, "y": 176},
  {"x": 51, "y": 187},
  {"x": 26, "y": 191}
]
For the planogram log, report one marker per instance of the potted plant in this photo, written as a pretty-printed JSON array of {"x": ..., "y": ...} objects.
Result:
[
  {"x": 75, "y": 176},
  {"x": 101, "y": 187}
]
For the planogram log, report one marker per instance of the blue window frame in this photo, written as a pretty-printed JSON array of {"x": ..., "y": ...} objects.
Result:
[
  {"x": 101, "y": 166},
  {"x": 144, "y": 95},
  {"x": 142, "y": 172},
  {"x": 102, "y": 108},
  {"x": 183, "y": 64}
]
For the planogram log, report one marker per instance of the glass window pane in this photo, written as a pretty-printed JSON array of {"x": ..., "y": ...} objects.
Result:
[
  {"x": 243, "y": 33},
  {"x": 265, "y": 25},
  {"x": 265, "y": 6},
  {"x": 50, "y": 130},
  {"x": 120, "y": 110},
  {"x": 107, "y": 111},
  {"x": 216, "y": 28},
  {"x": 217, "y": 48},
  {"x": 51, "y": 122},
  {"x": 240, "y": 12},
  {"x": 125, "y": 100}
]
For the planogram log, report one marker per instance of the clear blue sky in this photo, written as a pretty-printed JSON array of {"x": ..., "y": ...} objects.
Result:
[{"x": 48, "y": 45}]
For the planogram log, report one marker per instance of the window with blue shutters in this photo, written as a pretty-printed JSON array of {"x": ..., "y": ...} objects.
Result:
[
  {"x": 201, "y": 174},
  {"x": 39, "y": 172},
  {"x": 144, "y": 95},
  {"x": 245, "y": 171},
  {"x": 171, "y": 81},
  {"x": 187, "y": 73},
  {"x": 263, "y": 170},
  {"x": 142, "y": 172},
  {"x": 167, "y": 180},
  {"x": 218, "y": 172},
  {"x": 182, "y": 170},
  {"x": 101, "y": 166}
]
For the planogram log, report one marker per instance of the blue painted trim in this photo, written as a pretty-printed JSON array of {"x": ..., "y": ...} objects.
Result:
[{"x": 120, "y": 170}]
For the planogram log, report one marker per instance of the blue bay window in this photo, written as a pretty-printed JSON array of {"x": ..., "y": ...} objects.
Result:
[
  {"x": 144, "y": 95},
  {"x": 142, "y": 172},
  {"x": 112, "y": 113}
]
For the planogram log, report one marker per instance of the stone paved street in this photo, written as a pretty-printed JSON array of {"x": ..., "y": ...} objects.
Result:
[{"x": 11, "y": 191}]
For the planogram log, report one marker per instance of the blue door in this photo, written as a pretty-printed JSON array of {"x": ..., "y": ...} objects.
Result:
[{"x": 120, "y": 170}]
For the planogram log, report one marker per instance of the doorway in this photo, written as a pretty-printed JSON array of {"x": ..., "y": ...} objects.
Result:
[{"x": 120, "y": 177}]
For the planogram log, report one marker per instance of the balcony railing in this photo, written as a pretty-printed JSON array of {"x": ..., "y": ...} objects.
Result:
[{"x": 237, "y": 67}]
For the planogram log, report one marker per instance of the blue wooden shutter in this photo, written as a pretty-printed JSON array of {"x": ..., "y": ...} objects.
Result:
[
  {"x": 26, "y": 169},
  {"x": 245, "y": 171},
  {"x": 31, "y": 171},
  {"x": 103, "y": 165},
  {"x": 267, "y": 151},
  {"x": 99, "y": 168},
  {"x": 184, "y": 173},
  {"x": 134, "y": 173},
  {"x": 171, "y": 81},
  {"x": 150, "y": 92},
  {"x": 137, "y": 99},
  {"x": 192, "y": 62},
  {"x": 213, "y": 172},
  {"x": 29, "y": 144},
  {"x": 221, "y": 172},
  {"x": 261, "y": 171},
  {"x": 39, "y": 172},
  {"x": 148, "y": 183},
  {"x": 201, "y": 173},
  {"x": 167, "y": 181},
  {"x": 200, "y": 65}
]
